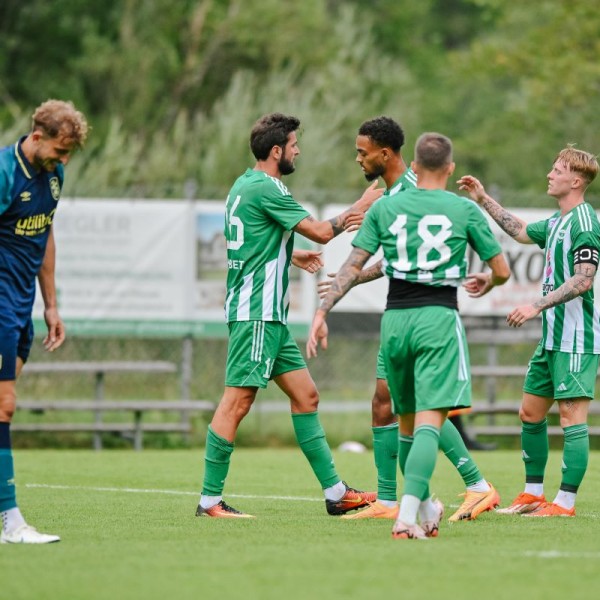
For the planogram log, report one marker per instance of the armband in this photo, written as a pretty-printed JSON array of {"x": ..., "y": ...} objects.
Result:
[{"x": 586, "y": 254}]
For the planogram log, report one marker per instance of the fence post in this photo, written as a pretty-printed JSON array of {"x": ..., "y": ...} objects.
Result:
[{"x": 187, "y": 360}]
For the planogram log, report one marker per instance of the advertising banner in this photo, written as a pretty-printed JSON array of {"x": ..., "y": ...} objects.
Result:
[{"x": 149, "y": 267}]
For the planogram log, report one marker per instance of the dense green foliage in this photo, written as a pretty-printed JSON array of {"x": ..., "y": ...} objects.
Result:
[{"x": 172, "y": 88}]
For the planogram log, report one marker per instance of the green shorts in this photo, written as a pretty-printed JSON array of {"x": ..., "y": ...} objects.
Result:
[
  {"x": 426, "y": 359},
  {"x": 380, "y": 370},
  {"x": 561, "y": 375},
  {"x": 259, "y": 351}
]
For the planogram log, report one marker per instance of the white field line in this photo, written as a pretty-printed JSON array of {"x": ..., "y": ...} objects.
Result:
[
  {"x": 560, "y": 554},
  {"x": 183, "y": 493},
  {"x": 156, "y": 491}
]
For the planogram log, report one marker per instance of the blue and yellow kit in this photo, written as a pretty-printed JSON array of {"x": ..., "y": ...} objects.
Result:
[{"x": 28, "y": 201}]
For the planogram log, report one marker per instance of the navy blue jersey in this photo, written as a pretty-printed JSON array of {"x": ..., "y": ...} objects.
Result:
[{"x": 28, "y": 201}]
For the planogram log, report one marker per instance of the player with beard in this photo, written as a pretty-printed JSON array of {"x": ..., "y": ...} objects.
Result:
[
  {"x": 31, "y": 178},
  {"x": 424, "y": 232},
  {"x": 261, "y": 217},
  {"x": 379, "y": 153}
]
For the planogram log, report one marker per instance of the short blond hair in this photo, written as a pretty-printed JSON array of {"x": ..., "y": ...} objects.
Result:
[
  {"x": 579, "y": 161},
  {"x": 56, "y": 118}
]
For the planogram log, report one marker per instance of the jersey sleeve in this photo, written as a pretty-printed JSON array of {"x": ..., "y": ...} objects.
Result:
[
  {"x": 587, "y": 229},
  {"x": 5, "y": 185},
  {"x": 279, "y": 204},
  {"x": 537, "y": 232},
  {"x": 480, "y": 235},
  {"x": 368, "y": 237}
]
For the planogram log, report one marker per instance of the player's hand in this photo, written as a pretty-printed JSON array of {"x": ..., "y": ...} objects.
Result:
[
  {"x": 353, "y": 220},
  {"x": 324, "y": 286},
  {"x": 473, "y": 186},
  {"x": 56, "y": 330},
  {"x": 522, "y": 314},
  {"x": 309, "y": 260},
  {"x": 318, "y": 334},
  {"x": 369, "y": 196},
  {"x": 478, "y": 284}
]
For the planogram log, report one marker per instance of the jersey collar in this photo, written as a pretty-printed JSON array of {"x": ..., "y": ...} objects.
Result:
[{"x": 25, "y": 165}]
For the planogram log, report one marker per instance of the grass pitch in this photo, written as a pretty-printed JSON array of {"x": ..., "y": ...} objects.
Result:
[{"x": 129, "y": 532}]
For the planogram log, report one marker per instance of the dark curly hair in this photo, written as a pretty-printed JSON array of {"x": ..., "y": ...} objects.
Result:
[
  {"x": 384, "y": 132},
  {"x": 271, "y": 130}
]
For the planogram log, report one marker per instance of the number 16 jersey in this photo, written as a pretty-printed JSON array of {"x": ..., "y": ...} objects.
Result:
[{"x": 260, "y": 214}]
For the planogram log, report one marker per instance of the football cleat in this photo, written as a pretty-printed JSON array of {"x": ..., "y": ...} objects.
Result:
[
  {"x": 431, "y": 528},
  {"x": 222, "y": 511},
  {"x": 524, "y": 503},
  {"x": 376, "y": 510},
  {"x": 549, "y": 509},
  {"x": 26, "y": 534},
  {"x": 402, "y": 531},
  {"x": 351, "y": 500},
  {"x": 475, "y": 503}
]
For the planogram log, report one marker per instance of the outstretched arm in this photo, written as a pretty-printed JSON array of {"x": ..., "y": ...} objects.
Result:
[
  {"x": 343, "y": 281},
  {"x": 323, "y": 231},
  {"x": 515, "y": 227},
  {"x": 375, "y": 271},
  {"x": 581, "y": 282}
]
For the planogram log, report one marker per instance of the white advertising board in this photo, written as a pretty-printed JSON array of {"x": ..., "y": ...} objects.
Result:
[{"x": 148, "y": 267}]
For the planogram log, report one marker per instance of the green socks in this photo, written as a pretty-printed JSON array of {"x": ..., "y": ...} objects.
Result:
[
  {"x": 534, "y": 443},
  {"x": 453, "y": 446},
  {"x": 421, "y": 462},
  {"x": 312, "y": 442},
  {"x": 576, "y": 453},
  {"x": 385, "y": 450},
  {"x": 216, "y": 463}
]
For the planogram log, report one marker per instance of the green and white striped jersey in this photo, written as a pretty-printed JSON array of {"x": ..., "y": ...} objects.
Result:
[
  {"x": 259, "y": 216},
  {"x": 575, "y": 326},
  {"x": 424, "y": 235}
]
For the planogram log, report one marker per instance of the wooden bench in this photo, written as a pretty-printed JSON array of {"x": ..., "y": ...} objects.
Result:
[
  {"x": 99, "y": 369},
  {"x": 137, "y": 407}
]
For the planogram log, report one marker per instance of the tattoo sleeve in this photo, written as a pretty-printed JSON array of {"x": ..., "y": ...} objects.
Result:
[
  {"x": 337, "y": 224},
  {"x": 345, "y": 278},
  {"x": 581, "y": 282},
  {"x": 506, "y": 220},
  {"x": 371, "y": 273}
]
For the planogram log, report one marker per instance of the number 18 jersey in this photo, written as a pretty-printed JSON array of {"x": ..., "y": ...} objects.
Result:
[
  {"x": 424, "y": 236},
  {"x": 259, "y": 216}
]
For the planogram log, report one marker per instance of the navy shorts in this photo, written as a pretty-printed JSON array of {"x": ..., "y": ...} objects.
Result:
[{"x": 16, "y": 337}]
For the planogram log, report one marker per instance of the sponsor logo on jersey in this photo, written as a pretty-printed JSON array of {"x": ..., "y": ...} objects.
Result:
[
  {"x": 25, "y": 196},
  {"x": 35, "y": 224},
  {"x": 55, "y": 188}
]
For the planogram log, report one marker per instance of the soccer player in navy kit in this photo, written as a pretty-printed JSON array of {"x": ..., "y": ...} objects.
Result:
[{"x": 31, "y": 178}]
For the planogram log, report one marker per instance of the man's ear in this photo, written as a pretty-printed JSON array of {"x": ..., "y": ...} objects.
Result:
[
  {"x": 451, "y": 168},
  {"x": 578, "y": 182},
  {"x": 276, "y": 152}
]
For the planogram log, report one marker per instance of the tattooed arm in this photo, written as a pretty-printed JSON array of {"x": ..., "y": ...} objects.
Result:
[
  {"x": 581, "y": 282},
  {"x": 323, "y": 231},
  {"x": 515, "y": 227},
  {"x": 375, "y": 271},
  {"x": 343, "y": 281}
]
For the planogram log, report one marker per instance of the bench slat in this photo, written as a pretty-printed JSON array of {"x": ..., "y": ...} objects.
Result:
[{"x": 157, "y": 366}]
